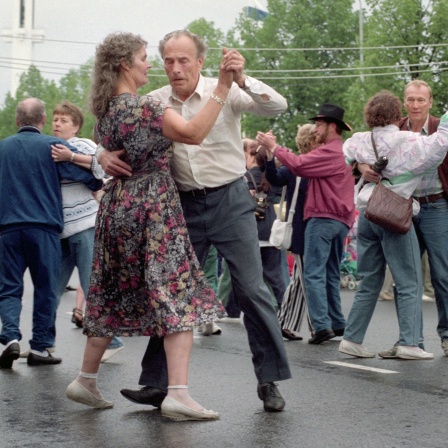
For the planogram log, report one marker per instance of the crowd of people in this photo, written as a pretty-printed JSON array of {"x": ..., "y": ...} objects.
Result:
[{"x": 180, "y": 189}]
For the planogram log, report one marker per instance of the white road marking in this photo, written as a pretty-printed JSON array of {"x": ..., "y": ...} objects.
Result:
[{"x": 357, "y": 366}]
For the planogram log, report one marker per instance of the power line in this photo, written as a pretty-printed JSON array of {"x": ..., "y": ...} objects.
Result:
[
  {"x": 41, "y": 62},
  {"x": 287, "y": 78},
  {"x": 380, "y": 47},
  {"x": 292, "y": 78},
  {"x": 15, "y": 63}
]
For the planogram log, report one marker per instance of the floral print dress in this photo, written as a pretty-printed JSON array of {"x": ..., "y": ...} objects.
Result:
[{"x": 146, "y": 279}]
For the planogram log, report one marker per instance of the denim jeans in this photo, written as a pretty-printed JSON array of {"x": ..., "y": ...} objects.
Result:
[
  {"x": 431, "y": 226},
  {"x": 376, "y": 247},
  {"x": 115, "y": 343},
  {"x": 324, "y": 245},
  {"x": 77, "y": 251},
  {"x": 40, "y": 252}
]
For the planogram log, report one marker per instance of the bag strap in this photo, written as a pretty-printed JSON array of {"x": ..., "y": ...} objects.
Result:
[
  {"x": 252, "y": 178},
  {"x": 292, "y": 208},
  {"x": 282, "y": 201},
  {"x": 374, "y": 146},
  {"x": 376, "y": 155}
]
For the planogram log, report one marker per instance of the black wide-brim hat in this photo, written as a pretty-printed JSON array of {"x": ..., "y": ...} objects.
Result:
[{"x": 332, "y": 113}]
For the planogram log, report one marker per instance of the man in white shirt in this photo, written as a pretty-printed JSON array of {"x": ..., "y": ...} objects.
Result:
[{"x": 218, "y": 208}]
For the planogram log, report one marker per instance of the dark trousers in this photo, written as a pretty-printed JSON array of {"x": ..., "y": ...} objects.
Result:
[
  {"x": 225, "y": 219},
  {"x": 40, "y": 251}
]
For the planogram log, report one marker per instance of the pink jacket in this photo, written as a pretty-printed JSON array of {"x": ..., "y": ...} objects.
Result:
[{"x": 330, "y": 182}]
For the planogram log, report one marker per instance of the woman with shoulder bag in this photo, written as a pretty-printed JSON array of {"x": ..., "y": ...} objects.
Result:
[
  {"x": 409, "y": 155},
  {"x": 294, "y": 307}
]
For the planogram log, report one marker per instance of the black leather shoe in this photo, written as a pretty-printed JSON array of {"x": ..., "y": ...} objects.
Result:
[
  {"x": 339, "y": 332},
  {"x": 322, "y": 336},
  {"x": 37, "y": 360},
  {"x": 9, "y": 355},
  {"x": 145, "y": 395},
  {"x": 271, "y": 397},
  {"x": 288, "y": 334}
]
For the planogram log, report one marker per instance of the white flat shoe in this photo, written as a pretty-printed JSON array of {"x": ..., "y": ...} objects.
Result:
[
  {"x": 110, "y": 352},
  {"x": 414, "y": 353},
  {"x": 350, "y": 348},
  {"x": 174, "y": 410},
  {"x": 77, "y": 392},
  {"x": 209, "y": 329}
]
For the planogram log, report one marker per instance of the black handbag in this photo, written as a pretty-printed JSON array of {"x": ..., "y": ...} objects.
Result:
[{"x": 387, "y": 208}]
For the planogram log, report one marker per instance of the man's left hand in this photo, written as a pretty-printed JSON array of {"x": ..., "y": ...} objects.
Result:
[{"x": 235, "y": 62}]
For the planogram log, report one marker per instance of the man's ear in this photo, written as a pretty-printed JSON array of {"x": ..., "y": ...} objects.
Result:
[{"x": 200, "y": 63}]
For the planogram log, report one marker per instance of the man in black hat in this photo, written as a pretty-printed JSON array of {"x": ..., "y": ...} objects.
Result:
[{"x": 329, "y": 212}]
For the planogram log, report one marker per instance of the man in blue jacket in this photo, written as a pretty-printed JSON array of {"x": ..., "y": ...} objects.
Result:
[{"x": 30, "y": 223}]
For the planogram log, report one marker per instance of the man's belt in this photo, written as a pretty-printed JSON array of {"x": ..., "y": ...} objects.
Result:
[
  {"x": 200, "y": 192},
  {"x": 431, "y": 198}
]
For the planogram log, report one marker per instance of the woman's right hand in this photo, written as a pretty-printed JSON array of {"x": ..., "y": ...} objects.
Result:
[{"x": 368, "y": 173}]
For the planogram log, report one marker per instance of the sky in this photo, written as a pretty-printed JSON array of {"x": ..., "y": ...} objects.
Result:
[{"x": 73, "y": 28}]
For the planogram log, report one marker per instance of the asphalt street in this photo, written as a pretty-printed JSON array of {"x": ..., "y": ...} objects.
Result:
[{"x": 332, "y": 400}]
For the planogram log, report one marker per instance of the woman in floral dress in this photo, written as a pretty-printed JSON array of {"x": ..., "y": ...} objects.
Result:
[{"x": 145, "y": 278}]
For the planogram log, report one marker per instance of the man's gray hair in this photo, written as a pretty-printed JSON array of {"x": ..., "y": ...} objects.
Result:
[
  {"x": 201, "y": 47},
  {"x": 30, "y": 112}
]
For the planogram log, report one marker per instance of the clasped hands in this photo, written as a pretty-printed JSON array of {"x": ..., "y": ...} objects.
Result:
[
  {"x": 231, "y": 69},
  {"x": 269, "y": 141}
]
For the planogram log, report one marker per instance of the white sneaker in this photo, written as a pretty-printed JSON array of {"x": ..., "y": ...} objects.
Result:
[
  {"x": 350, "y": 348},
  {"x": 426, "y": 298},
  {"x": 406, "y": 352},
  {"x": 209, "y": 329},
  {"x": 445, "y": 346},
  {"x": 389, "y": 354},
  {"x": 110, "y": 352},
  {"x": 27, "y": 352}
]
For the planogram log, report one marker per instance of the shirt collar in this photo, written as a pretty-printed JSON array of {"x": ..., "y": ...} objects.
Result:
[
  {"x": 29, "y": 129},
  {"x": 424, "y": 130},
  {"x": 199, "y": 90}
]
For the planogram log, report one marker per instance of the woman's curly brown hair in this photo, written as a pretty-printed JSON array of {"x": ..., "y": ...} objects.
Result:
[
  {"x": 115, "y": 49},
  {"x": 382, "y": 109}
]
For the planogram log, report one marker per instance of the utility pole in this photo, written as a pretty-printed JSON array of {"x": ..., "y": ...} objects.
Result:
[
  {"x": 22, "y": 36},
  {"x": 361, "y": 39}
]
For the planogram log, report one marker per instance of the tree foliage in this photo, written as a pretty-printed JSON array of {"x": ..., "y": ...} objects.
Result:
[
  {"x": 308, "y": 50},
  {"x": 402, "y": 42},
  {"x": 280, "y": 39}
]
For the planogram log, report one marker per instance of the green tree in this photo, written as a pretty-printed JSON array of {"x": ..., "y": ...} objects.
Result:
[
  {"x": 75, "y": 87},
  {"x": 290, "y": 31},
  {"x": 402, "y": 42},
  {"x": 31, "y": 84}
]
